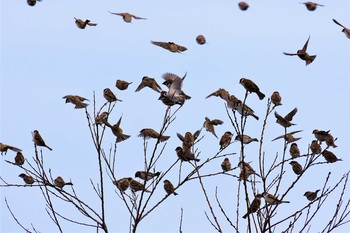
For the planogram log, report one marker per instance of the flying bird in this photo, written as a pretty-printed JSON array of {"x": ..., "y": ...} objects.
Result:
[
  {"x": 288, "y": 137},
  {"x": 222, "y": 93},
  {"x": 4, "y": 148},
  {"x": 345, "y": 29},
  {"x": 174, "y": 84},
  {"x": 209, "y": 125},
  {"x": 302, "y": 54},
  {"x": 286, "y": 121},
  {"x": 32, "y": 2},
  {"x": 118, "y": 132},
  {"x": 122, "y": 85},
  {"x": 127, "y": 17},
  {"x": 311, "y": 6},
  {"x": 250, "y": 86},
  {"x": 82, "y": 24},
  {"x": 38, "y": 140},
  {"x": 171, "y": 46},
  {"x": 243, "y": 6},
  {"x": 149, "y": 82},
  {"x": 148, "y": 133},
  {"x": 77, "y": 100},
  {"x": 200, "y": 39}
]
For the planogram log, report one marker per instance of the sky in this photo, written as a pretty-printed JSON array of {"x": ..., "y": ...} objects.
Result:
[{"x": 44, "y": 57}]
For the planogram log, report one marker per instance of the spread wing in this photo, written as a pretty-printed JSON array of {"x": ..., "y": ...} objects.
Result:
[
  {"x": 290, "y": 54},
  {"x": 335, "y": 21},
  {"x": 290, "y": 115},
  {"x": 306, "y": 43}
]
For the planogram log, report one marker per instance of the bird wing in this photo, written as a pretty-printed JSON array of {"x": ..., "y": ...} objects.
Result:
[
  {"x": 176, "y": 83},
  {"x": 290, "y": 115},
  {"x": 120, "y": 14},
  {"x": 180, "y": 136},
  {"x": 282, "y": 136},
  {"x": 136, "y": 17},
  {"x": 290, "y": 54},
  {"x": 305, "y": 45},
  {"x": 216, "y": 122},
  {"x": 335, "y": 21},
  {"x": 181, "y": 48},
  {"x": 297, "y": 131},
  {"x": 278, "y": 116},
  {"x": 161, "y": 44}
]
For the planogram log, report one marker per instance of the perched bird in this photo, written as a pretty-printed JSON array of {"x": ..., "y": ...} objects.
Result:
[
  {"x": 185, "y": 155},
  {"x": 254, "y": 206},
  {"x": 222, "y": 93},
  {"x": 149, "y": 82},
  {"x": 26, "y": 178},
  {"x": 246, "y": 171},
  {"x": 294, "y": 150},
  {"x": 209, "y": 125},
  {"x": 330, "y": 140},
  {"x": 171, "y": 100},
  {"x": 169, "y": 187},
  {"x": 244, "y": 109},
  {"x": 136, "y": 186},
  {"x": 4, "y": 148},
  {"x": 235, "y": 104},
  {"x": 102, "y": 118},
  {"x": 122, "y": 85},
  {"x": 297, "y": 168},
  {"x": 311, "y": 6},
  {"x": 76, "y": 100},
  {"x": 225, "y": 140},
  {"x": 189, "y": 138},
  {"x": 303, "y": 55},
  {"x": 330, "y": 157},
  {"x": 315, "y": 147},
  {"x": 286, "y": 121},
  {"x": 82, "y": 24},
  {"x": 59, "y": 182},
  {"x": 200, "y": 39},
  {"x": 38, "y": 140},
  {"x": 148, "y": 133},
  {"x": 19, "y": 159},
  {"x": 118, "y": 132},
  {"x": 171, "y": 46},
  {"x": 226, "y": 165},
  {"x": 245, "y": 139},
  {"x": 32, "y": 2},
  {"x": 174, "y": 83},
  {"x": 110, "y": 96},
  {"x": 345, "y": 29},
  {"x": 122, "y": 184},
  {"x": 271, "y": 199},
  {"x": 250, "y": 86},
  {"x": 143, "y": 175},
  {"x": 320, "y": 135},
  {"x": 243, "y": 6},
  {"x": 288, "y": 137},
  {"x": 311, "y": 195},
  {"x": 127, "y": 17},
  {"x": 276, "y": 98}
]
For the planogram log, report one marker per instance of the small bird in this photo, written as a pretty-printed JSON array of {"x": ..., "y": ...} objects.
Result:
[
  {"x": 32, "y": 2},
  {"x": 311, "y": 195},
  {"x": 320, "y": 135},
  {"x": 189, "y": 138},
  {"x": 26, "y": 178},
  {"x": 136, "y": 186},
  {"x": 254, "y": 206},
  {"x": 276, "y": 98},
  {"x": 4, "y": 148},
  {"x": 294, "y": 150},
  {"x": 250, "y": 86},
  {"x": 200, "y": 39},
  {"x": 171, "y": 46},
  {"x": 226, "y": 165},
  {"x": 288, "y": 137},
  {"x": 222, "y": 93},
  {"x": 148, "y": 133},
  {"x": 122, "y": 184},
  {"x": 234, "y": 103},
  {"x": 127, "y": 17},
  {"x": 149, "y": 82},
  {"x": 243, "y": 6},
  {"x": 59, "y": 182},
  {"x": 271, "y": 199},
  {"x": 38, "y": 140},
  {"x": 245, "y": 139},
  {"x": 118, "y": 132},
  {"x": 102, "y": 118},
  {"x": 345, "y": 30},
  {"x": 110, "y": 96},
  {"x": 185, "y": 155},
  {"x": 76, "y": 100},
  {"x": 330, "y": 157},
  {"x": 143, "y": 175},
  {"x": 225, "y": 140},
  {"x": 122, "y": 85},
  {"x": 174, "y": 83},
  {"x": 286, "y": 121},
  {"x": 19, "y": 159},
  {"x": 82, "y": 24},
  {"x": 302, "y": 54},
  {"x": 171, "y": 100},
  {"x": 169, "y": 187},
  {"x": 246, "y": 171},
  {"x": 209, "y": 125},
  {"x": 244, "y": 109},
  {"x": 297, "y": 168},
  {"x": 311, "y": 6},
  {"x": 330, "y": 140},
  {"x": 315, "y": 147}
]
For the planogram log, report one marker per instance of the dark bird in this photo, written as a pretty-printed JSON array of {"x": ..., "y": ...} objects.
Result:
[
  {"x": 246, "y": 171},
  {"x": 4, "y": 148},
  {"x": 330, "y": 140},
  {"x": 144, "y": 175},
  {"x": 271, "y": 199},
  {"x": 149, "y": 82},
  {"x": 148, "y": 133},
  {"x": 294, "y": 150},
  {"x": 276, "y": 98},
  {"x": 243, "y": 6},
  {"x": 297, "y": 168},
  {"x": 315, "y": 147},
  {"x": 311, "y": 195},
  {"x": 122, "y": 85},
  {"x": 19, "y": 159},
  {"x": 330, "y": 157},
  {"x": 137, "y": 186},
  {"x": 245, "y": 139},
  {"x": 169, "y": 187},
  {"x": 303, "y": 55},
  {"x": 286, "y": 121},
  {"x": 171, "y": 100},
  {"x": 288, "y": 137},
  {"x": 250, "y": 86},
  {"x": 60, "y": 183},
  {"x": 174, "y": 83},
  {"x": 118, "y": 132},
  {"x": 345, "y": 30},
  {"x": 234, "y": 103},
  {"x": 209, "y": 125},
  {"x": 26, "y": 178},
  {"x": 311, "y": 6},
  {"x": 171, "y": 46},
  {"x": 82, "y": 24},
  {"x": 122, "y": 184},
  {"x": 77, "y": 100},
  {"x": 38, "y": 140},
  {"x": 185, "y": 155},
  {"x": 225, "y": 140},
  {"x": 320, "y": 135},
  {"x": 127, "y": 17},
  {"x": 254, "y": 206},
  {"x": 226, "y": 165},
  {"x": 32, "y": 2},
  {"x": 200, "y": 39},
  {"x": 244, "y": 109},
  {"x": 102, "y": 118},
  {"x": 222, "y": 93},
  {"x": 189, "y": 138},
  {"x": 110, "y": 96}
]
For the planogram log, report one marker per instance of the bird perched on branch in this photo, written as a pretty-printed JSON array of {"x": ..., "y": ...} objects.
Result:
[
  {"x": 4, "y": 148},
  {"x": 189, "y": 138},
  {"x": 122, "y": 85},
  {"x": 137, "y": 186},
  {"x": 288, "y": 137},
  {"x": 226, "y": 165},
  {"x": 144, "y": 175},
  {"x": 311, "y": 6},
  {"x": 297, "y": 168},
  {"x": 171, "y": 46},
  {"x": 244, "y": 109},
  {"x": 330, "y": 140},
  {"x": 60, "y": 183},
  {"x": 200, "y": 39},
  {"x": 209, "y": 125},
  {"x": 118, "y": 132},
  {"x": 246, "y": 171},
  {"x": 222, "y": 93},
  {"x": 271, "y": 199},
  {"x": 175, "y": 94},
  {"x": 294, "y": 150},
  {"x": 225, "y": 140},
  {"x": 148, "y": 133},
  {"x": 315, "y": 147},
  {"x": 122, "y": 184},
  {"x": 149, "y": 82},
  {"x": 169, "y": 187},
  {"x": 127, "y": 17},
  {"x": 102, "y": 118},
  {"x": 302, "y": 54},
  {"x": 254, "y": 206},
  {"x": 245, "y": 139},
  {"x": 76, "y": 100},
  {"x": 185, "y": 155},
  {"x": 82, "y": 24},
  {"x": 320, "y": 135},
  {"x": 345, "y": 30},
  {"x": 27, "y": 178},
  {"x": 276, "y": 98},
  {"x": 311, "y": 195},
  {"x": 286, "y": 121},
  {"x": 110, "y": 96},
  {"x": 250, "y": 86},
  {"x": 19, "y": 159},
  {"x": 38, "y": 140},
  {"x": 330, "y": 157}
]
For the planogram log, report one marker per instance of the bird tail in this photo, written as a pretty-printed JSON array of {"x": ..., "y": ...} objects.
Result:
[
  {"x": 260, "y": 94},
  {"x": 255, "y": 116},
  {"x": 48, "y": 147},
  {"x": 122, "y": 137},
  {"x": 163, "y": 138},
  {"x": 312, "y": 58},
  {"x": 245, "y": 216}
]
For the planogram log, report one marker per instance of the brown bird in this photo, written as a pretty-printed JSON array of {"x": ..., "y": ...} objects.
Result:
[
  {"x": 82, "y": 24},
  {"x": 32, "y": 2},
  {"x": 19, "y": 159},
  {"x": 297, "y": 168},
  {"x": 26, "y": 178},
  {"x": 169, "y": 187},
  {"x": 294, "y": 150},
  {"x": 189, "y": 138},
  {"x": 122, "y": 184},
  {"x": 209, "y": 125},
  {"x": 171, "y": 100},
  {"x": 4, "y": 148},
  {"x": 122, "y": 85},
  {"x": 38, "y": 140},
  {"x": 303, "y": 55},
  {"x": 226, "y": 165},
  {"x": 250, "y": 86},
  {"x": 243, "y": 6},
  {"x": 148, "y": 133},
  {"x": 311, "y": 195},
  {"x": 110, "y": 96},
  {"x": 276, "y": 98},
  {"x": 311, "y": 6},
  {"x": 234, "y": 103},
  {"x": 345, "y": 30},
  {"x": 315, "y": 147},
  {"x": 225, "y": 140},
  {"x": 171, "y": 46},
  {"x": 185, "y": 155},
  {"x": 149, "y": 82},
  {"x": 222, "y": 93},
  {"x": 330, "y": 140},
  {"x": 200, "y": 39},
  {"x": 320, "y": 135},
  {"x": 289, "y": 137},
  {"x": 175, "y": 93},
  {"x": 143, "y": 175},
  {"x": 245, "y": 139},
  {"x": 136, "y": 186},
  {"x": 127, "y": 17},
  {"x": 118, "y": 132},
  {"x": 330, "y": 157},
  {"x": 76, "y": 100},
  {"x": 271, "y": 199},
  {"x": 244, "y": 109},
  {"x": 102, "y": 118},
  {"x": 286, "y": 121},
  {"x": 246, "y": 171},
  {"x": 60, "y": 183},
  {"x": 254, "y": 206}
]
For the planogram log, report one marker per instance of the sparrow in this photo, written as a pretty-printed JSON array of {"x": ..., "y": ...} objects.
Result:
[
  {"x": 244, "y": 109},
  {"x": 286, "y": 121},
  {"x": 171, "y": 100},
  {"x": 222, "y": 93},
  {"x": 32, "y": 2},
  {"x": 243, "y": 6},
  {"x": 276, "y": 98},
  {"x": 271, "y": 199},
  {"x": 110, "y": 96},
  {"x": 311, "y": 6},
  {"x": 288, "y": 137},
  {"x": 19, "y": 159},
  {"x": 320, "y": 135},
  {"x": 225, "y": 140},
  {"x": 297, "y": 168},
  {"x": 82, "y": 24},
  {"x": 169, "y": 187},
  {"x": 245, "y": 139},
  {"x": 226, "y": 165},
  {"x": 122, "y": 184},
  {"x": 209, "y": 125},
  {"x": 76, "y": 100},
  {"x": 149, "y": 82},
  {"x": 315, "y": 147},
  {"x": 26, "y": 178},
  {"x": 143, "y": 175},
  {"x": 148, "y": 133},
  {"x": 118, "y": 132},
  {"x": 136, "y": 186},
  {"x": 234, "y": 103},
  {"x": 38, "y": 140},
  {"x": 127, "y": 17},
  {"x": 200, "y": 39},
  {"x": 189, "y": 138},
  {"x": 330, "y": 157},
  {"x": 330, "y": 140},
  {"x": 250, "y": 86},
  {"x": 171, "y": 46},
  {"x": 4, "y": 148},
  {"x": 302, "y": 54},
  {"x": 246, "y": 171},
  {"x": 59, "y": 182},
  {"x": 122, "y": 85},
  {"x": 174, "y": 83},
  {"x": 345, "y": 29},
  {"x": 254, "y": 206},
  {"x": 185, "y": 155},
  {"x": 102, "y": 118},
  {"x": 294, "y": 150},
  {"x": 311, "y": 195}
]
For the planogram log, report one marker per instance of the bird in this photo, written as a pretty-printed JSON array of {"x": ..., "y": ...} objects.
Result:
[
  {"x": 245, "y": 139},
  {"x": 226, "y": 165},
  {"x": 250, "y": 86},
  {"x": 311, "y": 195},
  {"x": 174, "y": 84},
  {"x": 246, "y": 171},
  {"x": 222, "y": 93},
  {"x": 102, "y": 118},
  {"x": 320, "y": 135},
  {"x": 189, "y": 138},
  {"x": 27, "y": 178},
  {"x": 137, "y": 186},
  {"x": 200, "y": 39},
  {"x": 82, "y": 24},
  {"x": 302, "y": 54},
  {"x": 315, "y": 147},
  {"x": 311, "y": 6},
  {"x": 144, "y": 175},
  {"x": 244, "y": 109},
  {"x": 235, "y": 104},
  {"x": 294, "y": 150},
  {"x": 171, "y": 100},
  {"x": 330, "y": 157},
  {"x": 171, "y": 46},
  {"x": 169, "y": 187},
  {"x": 272, "y": 200},
  {"x": 4, "y": 148},
  {"x": 60, "y": 183},
  {"x": 330, "y": 140},
  {"x": 19, "y": 159},
  {"x": 127, "y": 17},
  {"x": 288, "y": 137},
  {"x": 225, "y": 140},
  {"x": 243, "y": 6},
  {"x": 276, "y": 98},
  {"x": 149, "y": 82},
  {"x": 185, "y": 155},
  {"x": 297, "y": 168},
  {"x": 38, "y": 140},
  {"x": 148, "y": 133},
  {"x": 209, "y": 125},
  {"x": 77, "y": 100},
  {"x": 32, "y": 2},
  {"x": 110, "y": 96},
  {"x": 254, "y": 206},
  {"x": 345, "y": 30},
  {"x": 122, "y": 85},
  {"x": 286, "y": 121},
  {"x": 122, "y": 184},
  {"x": 118, "y": 132}
]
